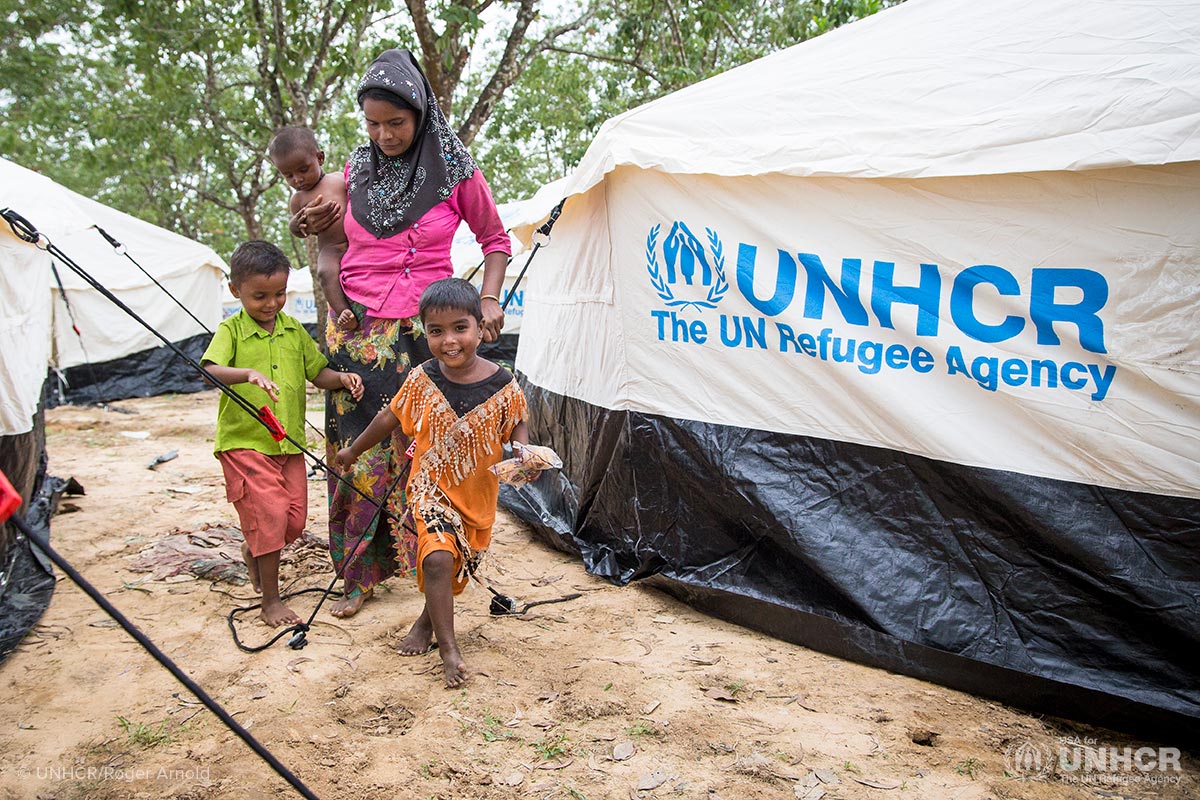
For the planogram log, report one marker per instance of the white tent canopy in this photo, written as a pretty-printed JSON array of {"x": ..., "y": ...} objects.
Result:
[
  {"x": 35, "y": 329},
  {"x": 919, "y": 179},
  {"x": 935, "y": 88}
]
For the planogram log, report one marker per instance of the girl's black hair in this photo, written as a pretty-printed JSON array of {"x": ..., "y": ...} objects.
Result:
[
  {"x": 451, "y": 293},
  {"x": 256, "y": 258}
]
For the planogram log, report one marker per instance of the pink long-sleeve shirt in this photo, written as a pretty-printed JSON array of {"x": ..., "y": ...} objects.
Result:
[{"x": 388, "y": 275}]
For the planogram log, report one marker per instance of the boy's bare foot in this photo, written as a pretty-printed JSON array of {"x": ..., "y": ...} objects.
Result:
[
  {"x": 276, "y": 614},
  {"x": 349, "y": 606},
  {"x": 419, "y": 639},
  {"x": 455, "y": 669},
  {"x": 252, "y": 565}
]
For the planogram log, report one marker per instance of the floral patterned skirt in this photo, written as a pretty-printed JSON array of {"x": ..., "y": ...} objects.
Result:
[{"x": 381, "y": 351}]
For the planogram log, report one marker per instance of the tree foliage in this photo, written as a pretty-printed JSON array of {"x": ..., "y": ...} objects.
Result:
[
  {"x": 164, "y": 109},
  {"x": 630, "y": 52}
]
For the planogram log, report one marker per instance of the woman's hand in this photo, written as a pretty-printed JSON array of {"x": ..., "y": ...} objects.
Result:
[
  {"x": 494, "y": 265},
  {"x": 352, "y": 383},
  {"x": 315, "y": 217},
  {"x": 493, "y": 319}
]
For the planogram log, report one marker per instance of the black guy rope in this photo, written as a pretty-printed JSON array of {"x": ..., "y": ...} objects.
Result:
[
  {"x": 121, "y": 250},
  {"x": 87, "y": 360},
  {"x": 544, "y": 232}
]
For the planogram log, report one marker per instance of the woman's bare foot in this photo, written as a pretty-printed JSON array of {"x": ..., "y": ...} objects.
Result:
[
  {"x": 349, "y": 606},
  {"x": 419, "y": 639},
  {"x": 275, "y": 613},
  {"x": 252, "y": 565},
  {"x": 454, "y": 668}
]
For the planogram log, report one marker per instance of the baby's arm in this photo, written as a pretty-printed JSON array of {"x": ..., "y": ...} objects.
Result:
[
  {"x": 314, "y": 216},
  {"x": 231, "y": 376},
  {"x": 380, "y": 428},
  {"x": 329, "y": 262},
  {"x": 329, "y": 380}
]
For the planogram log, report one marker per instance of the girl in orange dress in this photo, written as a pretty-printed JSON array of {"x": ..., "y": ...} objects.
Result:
[{"x": 459, "y": 409}]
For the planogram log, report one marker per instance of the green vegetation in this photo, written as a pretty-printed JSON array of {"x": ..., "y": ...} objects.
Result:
[
  {"x": 644, "y": 728},
  {"x": 493, "y": 729},
  {"x": 548, "y": 748},
  {"x": 144, "y": 735}
]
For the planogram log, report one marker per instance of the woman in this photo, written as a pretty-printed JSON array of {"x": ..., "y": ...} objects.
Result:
[{"x": 406, "y": 192}]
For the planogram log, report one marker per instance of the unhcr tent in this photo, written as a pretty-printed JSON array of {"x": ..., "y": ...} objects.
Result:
[
  {"x": 111, "y": 356},
  {"x": 886, "y": 344}
]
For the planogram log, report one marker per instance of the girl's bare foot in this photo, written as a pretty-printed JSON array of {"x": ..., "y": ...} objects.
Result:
[
  {"x": 252, "y": 565},
  {"x": 349, "y": 606},
  {"x": 454, "y": 668},
  {"x": 275, "y": 613},
  {"x": 419, "y": 639}
]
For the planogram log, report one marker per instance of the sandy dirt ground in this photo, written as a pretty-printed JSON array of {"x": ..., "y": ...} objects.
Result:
[{"x": 622, "y": 693}]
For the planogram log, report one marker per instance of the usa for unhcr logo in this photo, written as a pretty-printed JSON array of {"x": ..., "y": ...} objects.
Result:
[{"x": 690, "y": 269}]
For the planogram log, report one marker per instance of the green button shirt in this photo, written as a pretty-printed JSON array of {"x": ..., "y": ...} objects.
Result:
[{"x": 288, "y": 356}]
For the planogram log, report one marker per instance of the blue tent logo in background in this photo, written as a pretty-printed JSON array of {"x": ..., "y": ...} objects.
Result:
[{"x": 689, "y": 267}]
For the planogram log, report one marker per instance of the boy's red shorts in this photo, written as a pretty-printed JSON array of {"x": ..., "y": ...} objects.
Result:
[{"x": 270, "y": 494}]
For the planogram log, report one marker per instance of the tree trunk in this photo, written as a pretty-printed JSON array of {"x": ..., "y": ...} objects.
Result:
[{"x": 310, "y": 248}]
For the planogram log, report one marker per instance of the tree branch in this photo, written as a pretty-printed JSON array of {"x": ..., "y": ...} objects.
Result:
[
  {"x": 511, "y": 67},
  {"x": 676, "y": 35},
  {"x": 427, "y": 38},
  {"x": 274, "y": 99},
  {"x": 611, "y": 59},
  {"x": 507, "y": 71}
]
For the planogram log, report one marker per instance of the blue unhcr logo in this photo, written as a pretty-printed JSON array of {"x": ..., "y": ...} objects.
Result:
[{"x": 687, "y": 265}]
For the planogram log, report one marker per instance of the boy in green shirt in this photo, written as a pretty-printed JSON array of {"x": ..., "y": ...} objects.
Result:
[{"x": 267, "y": 355}]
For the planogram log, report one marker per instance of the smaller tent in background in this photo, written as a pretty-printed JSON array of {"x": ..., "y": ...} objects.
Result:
[
  {"x": 467, "y": 259},
  {"x": 99, "y": 352}
]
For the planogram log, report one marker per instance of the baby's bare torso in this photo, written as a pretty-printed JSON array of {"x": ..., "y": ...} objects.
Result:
[{"x": 331, "y": 187}]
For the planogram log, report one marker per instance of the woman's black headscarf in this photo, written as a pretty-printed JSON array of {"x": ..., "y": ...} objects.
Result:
[{"x": 390, "y": 193}]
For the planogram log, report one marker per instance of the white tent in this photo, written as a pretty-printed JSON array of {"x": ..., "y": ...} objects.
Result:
[
  {"x": 35, "y": 328},
  {"x": 887, "y": 342}
]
